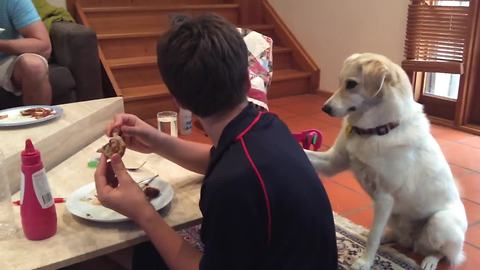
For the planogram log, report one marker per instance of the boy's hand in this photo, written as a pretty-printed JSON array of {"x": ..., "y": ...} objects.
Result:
[
  {"x": 127, "y": 198},
  {"x": 138, "y": 135}
]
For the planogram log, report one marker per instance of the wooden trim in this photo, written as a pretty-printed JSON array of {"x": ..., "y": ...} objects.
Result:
[
  {"x": 468, "y": 108},
  {"x": 71, "y": 7},
  {"x": 465, "y": 93},
  {"x": 427, "y": 66},
  {"x": 470, "y": 128},
  {"x": 302, "y": 58},
  {"x": 438, "y": 107},
  {"x": 441, "y": 121}
]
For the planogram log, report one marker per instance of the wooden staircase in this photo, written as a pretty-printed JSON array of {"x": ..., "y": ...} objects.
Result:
[{"x": 128, "y": 31}]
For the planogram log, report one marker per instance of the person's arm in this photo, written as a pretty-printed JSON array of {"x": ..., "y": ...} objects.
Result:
[
  {"x": 35, "y": 40},
  {"x": 176, "y": 252},
  {"x": 128, "y": 199},
  {"x": 140, "y": 136},
  {"x": 190, "y": 155}
]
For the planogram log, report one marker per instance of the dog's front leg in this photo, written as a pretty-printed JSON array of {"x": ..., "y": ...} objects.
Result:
[
  {"x": 330, "y": 162},
  {"x": 383, "y": 204}
]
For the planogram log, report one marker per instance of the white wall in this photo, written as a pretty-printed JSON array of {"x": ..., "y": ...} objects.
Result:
[
  {"x": 58, "y": 3},
  {"x": 331, "y": 30}
]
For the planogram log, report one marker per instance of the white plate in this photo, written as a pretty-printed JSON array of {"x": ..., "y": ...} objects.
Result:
[
  {"x": 15, "y": 119},
  {"x": 78, "y": 202}
]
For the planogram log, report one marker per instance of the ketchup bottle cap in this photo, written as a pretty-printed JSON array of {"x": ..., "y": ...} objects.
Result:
[{"x": 30, "y": 155}]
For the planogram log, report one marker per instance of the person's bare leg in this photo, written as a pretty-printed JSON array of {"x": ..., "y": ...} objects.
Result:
[{"x": 30, "y": 74}]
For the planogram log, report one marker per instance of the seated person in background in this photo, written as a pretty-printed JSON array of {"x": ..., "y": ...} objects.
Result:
[
  {"x": 262, "y": 202},
  {"x": 24, "y": 50}
]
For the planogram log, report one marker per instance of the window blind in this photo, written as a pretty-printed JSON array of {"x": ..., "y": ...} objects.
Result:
[{"x": 436, "y": 36}]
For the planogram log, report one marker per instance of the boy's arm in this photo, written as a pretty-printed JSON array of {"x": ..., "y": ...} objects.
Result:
[
  {"x": 128, "y": 199},
  {"x": 190, "y": 155},
  {"x": 176, "y": 252},
  {"x": 140, "y": 136}
]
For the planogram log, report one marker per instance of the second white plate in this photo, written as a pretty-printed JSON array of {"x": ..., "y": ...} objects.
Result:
[{"x": 15, "y": 119}]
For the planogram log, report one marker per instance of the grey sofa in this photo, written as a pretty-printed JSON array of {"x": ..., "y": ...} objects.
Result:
[{"x": 75, "y": 71}]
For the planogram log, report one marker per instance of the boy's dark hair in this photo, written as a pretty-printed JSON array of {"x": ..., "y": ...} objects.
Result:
[{"x": 204, "y": 63}]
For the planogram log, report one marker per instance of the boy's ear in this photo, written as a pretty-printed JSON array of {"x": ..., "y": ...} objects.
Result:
[{"x": 248, "y": 84}]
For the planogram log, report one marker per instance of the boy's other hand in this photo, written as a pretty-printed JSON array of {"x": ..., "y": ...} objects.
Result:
[{"x": 127, "y": 198}]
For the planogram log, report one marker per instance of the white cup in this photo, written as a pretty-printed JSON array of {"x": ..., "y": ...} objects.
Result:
[{"x": 167, "y": 123}]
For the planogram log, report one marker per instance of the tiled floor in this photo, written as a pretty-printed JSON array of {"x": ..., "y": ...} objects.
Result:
[{"x": 462, "y": 151}]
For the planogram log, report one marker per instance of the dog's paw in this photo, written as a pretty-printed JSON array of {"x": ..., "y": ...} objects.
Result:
[
  {"x": 430, "y": 263},
  {"x": 362, "y": 264}
]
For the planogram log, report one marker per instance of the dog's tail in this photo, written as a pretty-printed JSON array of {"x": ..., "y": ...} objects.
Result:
[
  {"x": 453, "y": 250},
  {"x": 445, "y": 234}
]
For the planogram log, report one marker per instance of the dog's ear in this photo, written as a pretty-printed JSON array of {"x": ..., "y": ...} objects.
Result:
[{"x": 375, "y": 75}]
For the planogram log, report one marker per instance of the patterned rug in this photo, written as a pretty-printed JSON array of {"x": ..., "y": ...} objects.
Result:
[{"x": 351, "y": 240}]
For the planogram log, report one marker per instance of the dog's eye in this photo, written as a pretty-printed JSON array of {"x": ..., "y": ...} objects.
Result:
[{"x": 351, "y": 84}]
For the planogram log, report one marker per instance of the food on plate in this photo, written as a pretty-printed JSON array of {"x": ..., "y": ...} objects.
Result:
[
  {"x": 151, "y": 192},
  {"x": 37, "y": 112},
  {"x": 115, "y": 145},
  {"x": 91, "y": 199},
  {"x": 3, "y": 116}
]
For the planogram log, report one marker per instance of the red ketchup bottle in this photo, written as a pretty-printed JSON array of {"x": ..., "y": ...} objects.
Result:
[{"x": 39, "y": 218}]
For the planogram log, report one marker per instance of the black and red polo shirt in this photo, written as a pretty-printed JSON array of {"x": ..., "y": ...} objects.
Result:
[{"x": 263, "y": 204}]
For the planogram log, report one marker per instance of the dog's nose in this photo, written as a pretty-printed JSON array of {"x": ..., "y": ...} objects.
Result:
[{"x": 328, "y": 109}]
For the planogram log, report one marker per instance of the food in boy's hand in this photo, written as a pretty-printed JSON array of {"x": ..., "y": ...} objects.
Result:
[
  {"x": 116, "y": 145},
  {"x": 151, "y": 192},
  {"x": 110, "y": 175},
  {"x": 37, "y": 112}
]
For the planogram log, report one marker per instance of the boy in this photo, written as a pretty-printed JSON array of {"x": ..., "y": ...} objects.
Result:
[{"x": 263, "y": 205}]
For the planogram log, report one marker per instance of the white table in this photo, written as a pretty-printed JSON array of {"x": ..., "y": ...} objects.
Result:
[{"x": 78, "y": 240}]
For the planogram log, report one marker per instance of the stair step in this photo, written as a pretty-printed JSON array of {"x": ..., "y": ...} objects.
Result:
[
  {"x": 142, "y": 71},
  {"x": 260, "y": 27},
  {"x": 289, "y": 74},
  {"x": 145, "y": 101},
  {"x": 161, "y": 90},
  {"x": 141, "y": 33},
  {"x": 287, "y": 82},
  {"x": 121, "y": 9},
  {"x": 131, "y": 62},
  {"x": 152, "y": 3},
  {"x": 282, "y": 58},
  {"x": 145, "y": 92},
  {"x": 127, "y": 19},
  {"x": 281, "y": 49}
]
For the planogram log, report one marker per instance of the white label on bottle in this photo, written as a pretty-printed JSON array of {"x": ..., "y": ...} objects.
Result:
[
  {"x": 42, "y": 189},
  {"x": 22, "y": 187}
]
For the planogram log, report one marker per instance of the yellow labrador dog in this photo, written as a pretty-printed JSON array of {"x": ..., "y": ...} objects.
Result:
[{"x": 386, "y": 142}]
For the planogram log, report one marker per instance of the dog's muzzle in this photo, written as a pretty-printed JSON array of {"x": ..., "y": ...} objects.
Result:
[{"x": 328, "y": 109}]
